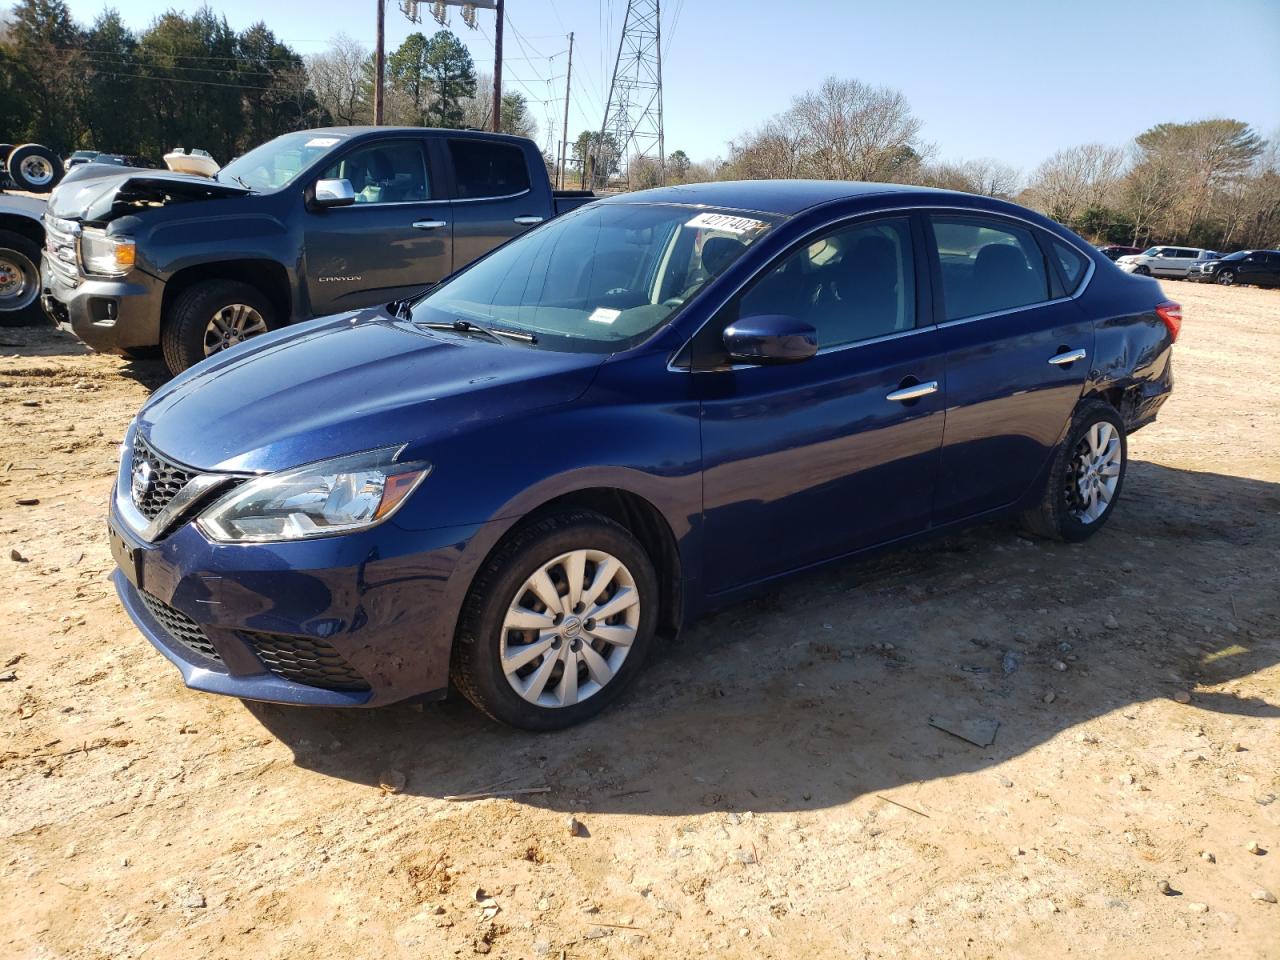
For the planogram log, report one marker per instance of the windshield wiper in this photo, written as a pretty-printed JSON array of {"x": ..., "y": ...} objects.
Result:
[{"x": 493, "y": 333}]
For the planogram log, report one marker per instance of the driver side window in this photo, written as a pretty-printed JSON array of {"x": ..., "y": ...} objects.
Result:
[
  {"x": 855, "y": 283},
  {"x": 391, "y": 172}
]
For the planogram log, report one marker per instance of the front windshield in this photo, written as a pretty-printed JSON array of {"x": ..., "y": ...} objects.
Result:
[
  {"x": 1238, "y": 255},
  {"x": 600, "y": 279},
  {"x": 1151, "y": 251},
  {"x": 276, "y": 162}
]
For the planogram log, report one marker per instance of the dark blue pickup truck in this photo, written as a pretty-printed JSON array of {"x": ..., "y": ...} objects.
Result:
[{"x": 308, "y": 224}]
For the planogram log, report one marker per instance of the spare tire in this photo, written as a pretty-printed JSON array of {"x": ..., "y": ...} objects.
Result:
[{"x": 34, "y": 168}]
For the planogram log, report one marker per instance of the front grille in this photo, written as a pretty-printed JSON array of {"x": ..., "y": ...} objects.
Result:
[
  {"x": 181, "y": 627},
  {"x": 166, "y": 479},
  {"x": 305, "y": 660},
  {"x": 60, "y": 247}
]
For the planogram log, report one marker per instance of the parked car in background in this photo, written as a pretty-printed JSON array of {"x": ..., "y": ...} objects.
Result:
[
  {"x": 1261, "y": 268},
  {"x": 1174, "y": 262},
  {"x": 1113, "y": 251},
  {"x": 308, "y": 224},
  {"x": 79, "y": 157},
  {"x": 638, "y": 412},
  {"x": 21, "y": 237}
]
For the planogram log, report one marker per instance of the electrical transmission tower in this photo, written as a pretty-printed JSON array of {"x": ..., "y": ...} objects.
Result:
[{"x": 631, "y": 134}]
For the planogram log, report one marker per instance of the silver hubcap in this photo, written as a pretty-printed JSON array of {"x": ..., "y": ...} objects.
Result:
[
  {"x": 36, "y": 170},
  {"x": 1096, "y": 473},
  {"x": 17, "y": 281},
  {"x": 569, "y": 628},
  {"x": 1226, "y": 278},
  {"x": 233, "y": 324}
]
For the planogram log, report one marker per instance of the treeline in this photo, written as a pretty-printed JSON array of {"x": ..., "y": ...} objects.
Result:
[
  {"x": 195, "y": 82},
  {"x": 1210, "y": 183}
]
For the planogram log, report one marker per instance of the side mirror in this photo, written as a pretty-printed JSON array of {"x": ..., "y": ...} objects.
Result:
[
  {"x": 334, "y": 193},
  {"x": 771, "y": 338}
]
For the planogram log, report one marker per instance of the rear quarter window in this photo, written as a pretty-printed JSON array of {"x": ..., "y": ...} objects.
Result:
[
  {"x": 1072, "y": 262},
  {"x": 484, "y": 169}
]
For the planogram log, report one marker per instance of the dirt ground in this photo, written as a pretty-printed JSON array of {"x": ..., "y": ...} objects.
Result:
[{"x": 771, "y": 788}]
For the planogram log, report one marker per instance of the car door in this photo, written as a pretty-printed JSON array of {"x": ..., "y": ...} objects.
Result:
[
  {"x": 813, "y": 460},
  {"x": 493, "y": 199},
  {"x": 1271, "y": 277},
  {"x": 392, "y": 242},
  {"x": 1017, "y": 347}
]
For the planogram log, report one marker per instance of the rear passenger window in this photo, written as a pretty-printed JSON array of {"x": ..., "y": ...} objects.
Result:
[
  {"x": 484, "y": 169},
  {"x": 854, "y": 284},
  {"x": 988, "y": 266},
  {"x": 1072, "y": 262}
]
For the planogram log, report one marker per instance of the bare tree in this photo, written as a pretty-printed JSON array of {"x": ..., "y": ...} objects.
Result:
[
  {"x": 844, "y": 130},
  {"x": 338, "y": 78},
  {"x": 983, "y": 176},
  {"x": 1076, "y": 179}
]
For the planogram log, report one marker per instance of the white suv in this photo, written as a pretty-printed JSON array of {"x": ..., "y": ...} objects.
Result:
[{"x": 1166, "y": 261}]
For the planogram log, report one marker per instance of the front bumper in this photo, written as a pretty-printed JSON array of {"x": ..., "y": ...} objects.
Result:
[
  {"x": 377, "y": 607},
  {"x": 108, "y": 315},
  {"x": 1196, "y": 276}
]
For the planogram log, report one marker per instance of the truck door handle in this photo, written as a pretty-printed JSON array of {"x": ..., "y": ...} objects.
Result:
[
  {"x": 428, "y": 224},
  {"x": 527, "y": 221},
  {"x": 913, "y": 392},
  {"x": 1070, "y": 357}
]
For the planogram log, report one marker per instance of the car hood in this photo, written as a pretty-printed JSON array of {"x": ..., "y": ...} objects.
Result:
[
  {"x": 350, "y": 383},
  {"x": 1128, "y": 258},
  {"x": 97, "y": 193}
]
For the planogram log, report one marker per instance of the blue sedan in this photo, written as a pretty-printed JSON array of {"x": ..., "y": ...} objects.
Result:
[{"x": 635, "y": 413}]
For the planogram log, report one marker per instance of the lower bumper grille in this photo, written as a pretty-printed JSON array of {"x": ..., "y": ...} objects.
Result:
[
  {"x": 305, "y": 660},
  {"x": 181, "y": 627}
]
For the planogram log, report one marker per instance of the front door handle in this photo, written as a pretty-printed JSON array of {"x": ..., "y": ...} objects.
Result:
[
  {"x": 1065, "y": 359},
  {"x": 527, "y": 221},
  {"x": 913, "y": 392},
  {"x": 428, "y": 224}
]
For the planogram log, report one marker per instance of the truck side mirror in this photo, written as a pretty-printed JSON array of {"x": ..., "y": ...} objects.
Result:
[{"x": 334, "y": 193}]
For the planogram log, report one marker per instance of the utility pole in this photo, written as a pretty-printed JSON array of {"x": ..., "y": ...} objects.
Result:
[
  {"x": 633, "y": 113},
  {"x": 497, "y": 69},
  {"x": 379, "y": 62},
  {"x": 564, "y": 143}
]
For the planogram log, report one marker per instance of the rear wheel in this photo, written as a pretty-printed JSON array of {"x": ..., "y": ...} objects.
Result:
[
  {"x": 210, "y": 317},
  {"x": 34, "y": 168},
  {"x": 1227, "y": 277},
  {"x": 19, "y": 280},
  {"x": 1085, "y": 478},
  {"x": 557, "y": 623}
]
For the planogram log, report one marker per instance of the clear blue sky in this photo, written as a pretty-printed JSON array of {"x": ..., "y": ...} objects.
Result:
[{"x": 1011, "y": 79}]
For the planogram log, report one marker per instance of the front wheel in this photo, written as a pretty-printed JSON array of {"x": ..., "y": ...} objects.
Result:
[
  {"x": 1142, "y": 271},
  {"x": 558, "y": 622},
  {"x": 210, "y": 317},
  {"x": 19, "y": 280},
  {"x": 1085, "y": 477},
  {"x": 1227, "y": 278}
]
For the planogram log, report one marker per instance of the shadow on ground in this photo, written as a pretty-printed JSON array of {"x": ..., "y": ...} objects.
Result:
[{"x": 793, "y": 701}]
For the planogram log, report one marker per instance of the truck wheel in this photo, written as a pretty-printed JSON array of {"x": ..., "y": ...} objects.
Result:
[
  {"x": 34, "y": 168},
  {"x": 557, "y": 623},
  {"x": 210, "y": 317},
  {"x": 19, "y": 281},
  {"x": 1085, "y": 477}
]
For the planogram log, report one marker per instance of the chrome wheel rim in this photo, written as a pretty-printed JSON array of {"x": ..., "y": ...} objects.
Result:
[
  {"x": 18, "y": 286},
  {"x": 36, "y": 170},
  {"x": 1226, "y": 278},
  {"x": 1095, "y": 473},
  {"x": 569, "y": 628},
  {"x": 234, "y": 323}
]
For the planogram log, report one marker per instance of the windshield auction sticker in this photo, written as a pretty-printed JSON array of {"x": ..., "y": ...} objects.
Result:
[
  {"x": 726, "y": 223},
  {"x": 604, "y": 315},
  {"x": 322, "y": 141}
]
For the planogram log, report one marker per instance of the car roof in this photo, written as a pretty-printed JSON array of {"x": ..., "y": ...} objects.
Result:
[
  {"x": 784, "y": 197},
  {"x": 353, "y": 132}
]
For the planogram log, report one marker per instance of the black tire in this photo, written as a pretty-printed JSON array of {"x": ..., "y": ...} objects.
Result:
[
  {"x": 476, "y": 669},
  {"x": 45, "y": 172},
  {"x": 19, "y": 281},
  {"x": 183, "y": 328},
  {"x": 1226, "y": 277},
  {"x": 1057, "y": 517},
  {"x": 1142, "y": 270}
]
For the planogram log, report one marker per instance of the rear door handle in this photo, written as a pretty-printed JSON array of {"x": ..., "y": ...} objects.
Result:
[
  {"x": 1071, "y": 356},
  {"x": 913, "y": 392},
  {"x": 428, "y": 224},
  {"x": 528, "y": 221}
]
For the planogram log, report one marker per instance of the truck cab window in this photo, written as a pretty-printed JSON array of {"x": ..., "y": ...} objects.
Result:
[
  {"x": 485, "y": 169},
  {"x": 393, "y": 172}
]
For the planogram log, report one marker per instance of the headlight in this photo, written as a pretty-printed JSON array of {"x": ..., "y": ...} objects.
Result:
[
  {"x": 106, "y": 256},
  {"x": 319, "y": 500}
]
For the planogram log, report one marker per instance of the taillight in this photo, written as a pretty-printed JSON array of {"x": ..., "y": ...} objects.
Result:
[{"x": 1171, "y": 314}]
